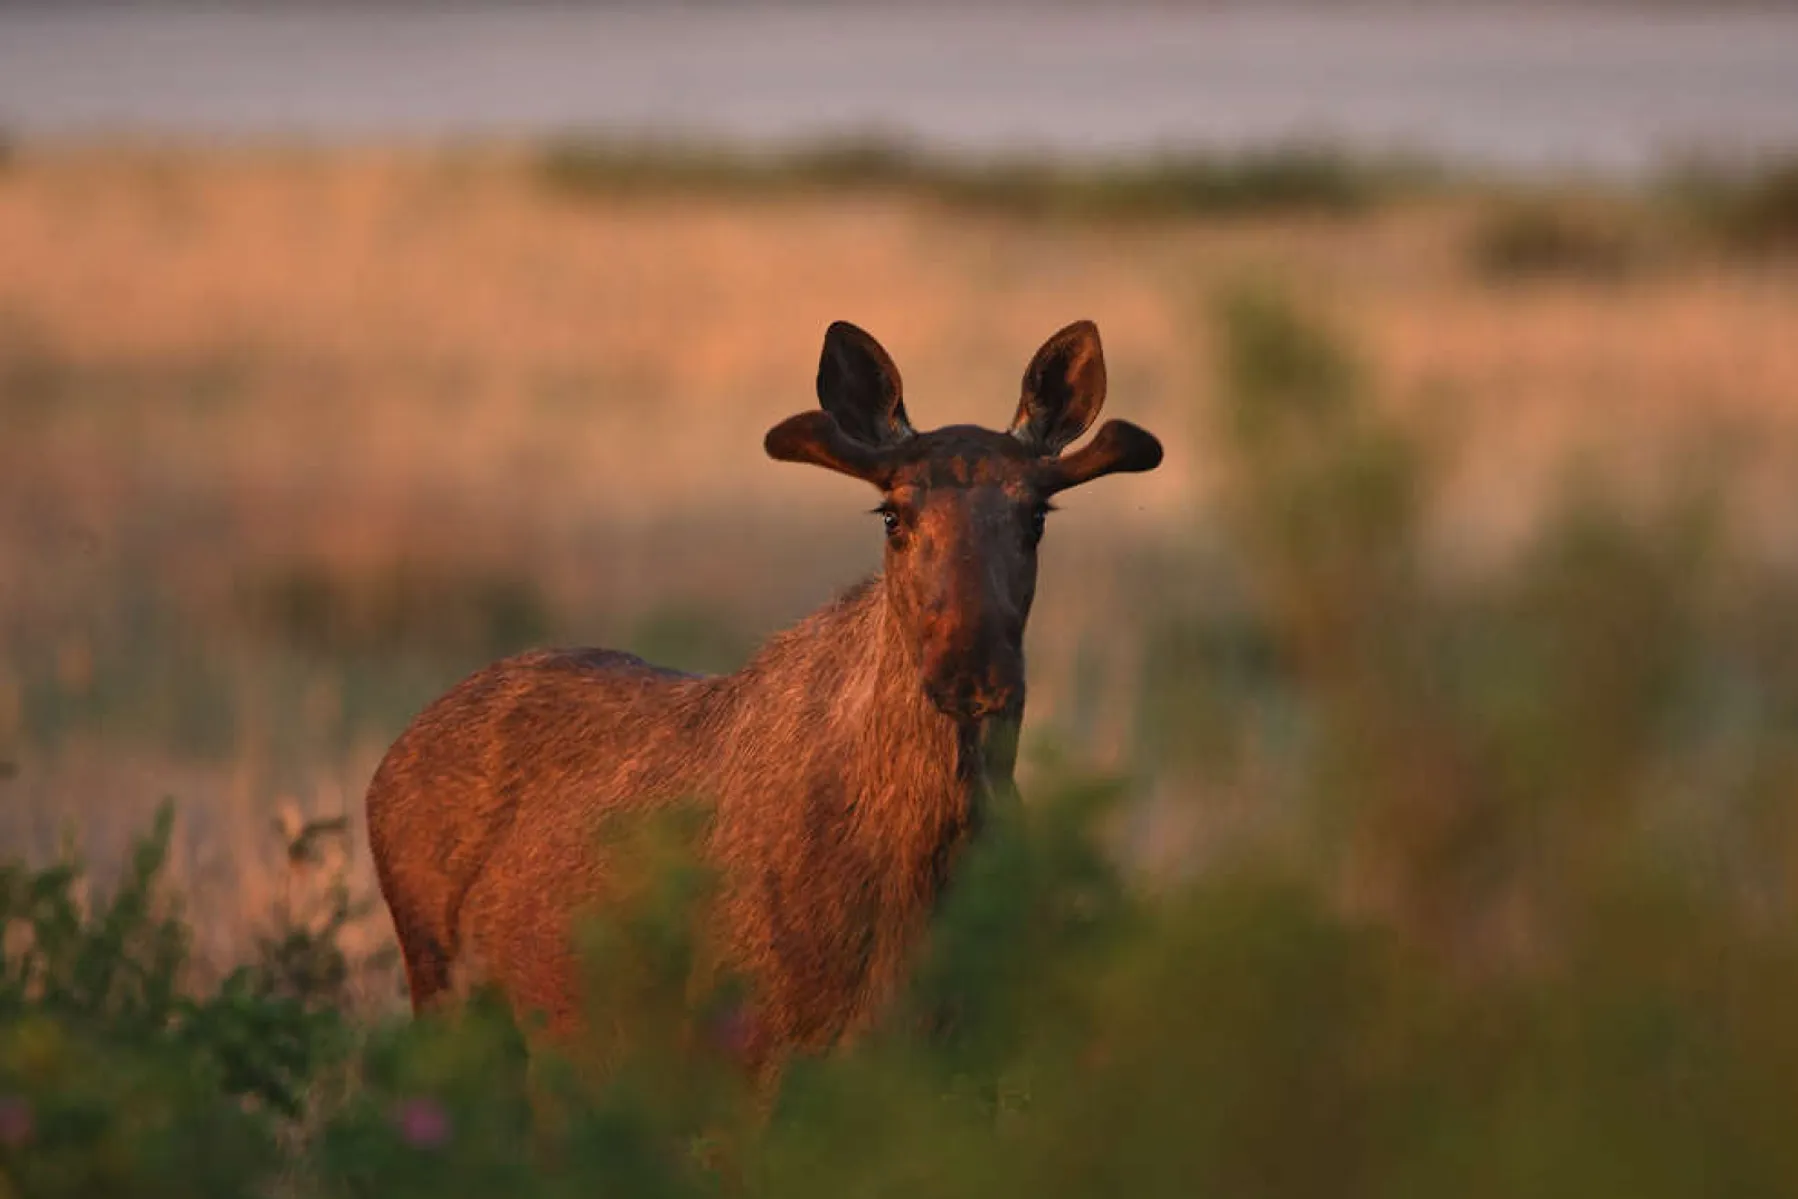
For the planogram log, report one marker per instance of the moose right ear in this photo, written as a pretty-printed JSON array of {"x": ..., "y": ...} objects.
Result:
[
  {"x": 815, "y": 437},
  {"x": 1064, "y": 388},
  {"x": 859, "y": 386}
]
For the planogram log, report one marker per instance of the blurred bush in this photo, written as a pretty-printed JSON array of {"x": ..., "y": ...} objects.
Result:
[
  {"x": 1752, "y": 209},
  {"x": 1517, "y": 918},
  {"x": 1294, "y": 178},
  {"x": 409, "y": 607},
  {"x": 690, "y": 636},
  {"x": 113, "y": 1079},
  {"x": 1543, "y": 237}
]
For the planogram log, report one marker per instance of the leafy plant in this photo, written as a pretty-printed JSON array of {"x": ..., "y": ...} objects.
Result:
[{"x": 115, "y": 972}]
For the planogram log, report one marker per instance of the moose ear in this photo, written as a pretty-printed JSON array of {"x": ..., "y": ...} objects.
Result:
[
  {"x": 815, "y": 437},
  {"x": 859, "y": 386},
  {"x": 1119, "y": 446},
  {"x": 1064, "y": 388}
]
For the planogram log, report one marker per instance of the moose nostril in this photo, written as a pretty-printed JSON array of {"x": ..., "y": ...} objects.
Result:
[
  {"x": 951, "y": 697},
  {"x": 1000, "y": 687},
  {"x": 972, "y": 695}
]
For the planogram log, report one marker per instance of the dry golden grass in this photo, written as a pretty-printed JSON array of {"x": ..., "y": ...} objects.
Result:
[{"x": 218, "y": 365}]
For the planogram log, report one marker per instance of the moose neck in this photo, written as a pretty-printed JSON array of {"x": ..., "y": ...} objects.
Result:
[
  {"x": 916, "y": 784},
  {"x": 861, "y": 795},
  {"x": 974, "y": 758},
  {"x": 840, "y": 695}
]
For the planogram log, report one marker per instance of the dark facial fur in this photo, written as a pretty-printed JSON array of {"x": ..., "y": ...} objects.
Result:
[{"x": 964, "y": 522}]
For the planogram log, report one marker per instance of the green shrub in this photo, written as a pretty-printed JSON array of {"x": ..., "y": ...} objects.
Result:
[
  {"x": 112, "y": 973},
  {"x": 1547, "y": 238},
  {"x": 410, "y": 607},
  {"x": 113, "y": 1080},
  {"x": 690, "y": 636},
  {"x": 1750, "y": 209},
  {"x": 1295, "y": 178}
]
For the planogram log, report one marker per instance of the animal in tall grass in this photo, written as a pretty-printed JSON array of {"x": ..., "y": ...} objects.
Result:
[{"x": 846, "y": 764}]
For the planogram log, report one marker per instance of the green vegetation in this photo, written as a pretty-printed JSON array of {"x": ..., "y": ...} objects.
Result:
[
  {"x": 1515, "y": 916},
  {"x": 1746, "y": 210},
  {"x": 690, "y": 636},
  {"x": 1289, "y": 179},
  {"x": 407, "y": 608},
  {"x": 112, "y": 1079},
  {"x": 1523, "y": 233},
  {"x": 1751, "y": 209},
  {"x": 1539, "y": 237}
]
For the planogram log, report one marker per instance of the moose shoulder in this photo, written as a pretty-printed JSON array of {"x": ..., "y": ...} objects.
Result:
[{"x": 845, "y": 764}]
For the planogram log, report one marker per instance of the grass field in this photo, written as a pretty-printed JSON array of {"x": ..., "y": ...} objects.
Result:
[
  {"x": 295, "y": 437},
  {"x": 1445, "y": 674}
]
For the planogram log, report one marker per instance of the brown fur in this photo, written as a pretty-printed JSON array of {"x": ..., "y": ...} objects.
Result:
[{"x": 845, "y": 765}]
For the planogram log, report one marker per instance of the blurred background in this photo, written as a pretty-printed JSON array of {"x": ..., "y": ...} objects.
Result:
[{"x": 344, "y": 348}]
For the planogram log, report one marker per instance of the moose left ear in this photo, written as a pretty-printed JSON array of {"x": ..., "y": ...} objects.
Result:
[
  {"x": 859, "y": 386},
  {"x": 1064, "y": 388},
  {"x": 1118, "y": 447},
  {"x": 816, "y": 437}
]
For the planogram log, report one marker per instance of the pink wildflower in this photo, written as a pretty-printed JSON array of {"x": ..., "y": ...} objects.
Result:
[
  {"x": 734, "y": 1030},
  {"x": 16, "y": 1123},
  {"x": 423, "y": 1123}
]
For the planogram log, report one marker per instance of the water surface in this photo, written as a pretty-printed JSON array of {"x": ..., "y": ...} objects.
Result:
[{"x": 1606, "y": 89}]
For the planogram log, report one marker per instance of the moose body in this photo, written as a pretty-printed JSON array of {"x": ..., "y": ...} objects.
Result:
[{"x": 844, "y": 766}]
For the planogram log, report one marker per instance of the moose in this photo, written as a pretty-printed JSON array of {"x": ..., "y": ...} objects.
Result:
[{"x": 845, "y": 766}]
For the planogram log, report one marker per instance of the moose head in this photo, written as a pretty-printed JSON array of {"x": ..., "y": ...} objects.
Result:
[{"x": 964, "y": 507}]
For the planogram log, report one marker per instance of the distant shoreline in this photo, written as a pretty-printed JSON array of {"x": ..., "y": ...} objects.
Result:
[{"x": 1595, "y": 89}]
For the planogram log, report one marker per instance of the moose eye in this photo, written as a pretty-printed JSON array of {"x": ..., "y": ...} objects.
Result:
[
  {"x": 890, "y": 519},
  {"x": 1039, "y": 517}
]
